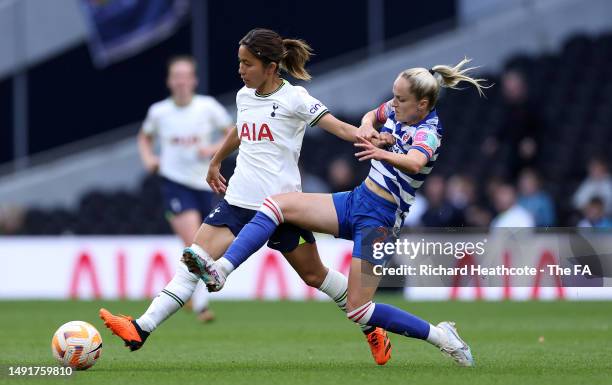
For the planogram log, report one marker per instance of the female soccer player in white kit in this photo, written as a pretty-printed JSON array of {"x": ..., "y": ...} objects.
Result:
[
  {"x": 272, "y": 115},
  {"x": 185, "y": 124}
]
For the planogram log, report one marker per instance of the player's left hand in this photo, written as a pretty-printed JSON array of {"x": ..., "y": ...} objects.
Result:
[
  {"x": 384, "y": 140},
  {"x": 215, "y": 180},
  {"x": 370, "y": 151}
]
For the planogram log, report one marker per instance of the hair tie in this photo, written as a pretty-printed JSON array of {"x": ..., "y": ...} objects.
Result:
[{"x": 432, "y": 72}]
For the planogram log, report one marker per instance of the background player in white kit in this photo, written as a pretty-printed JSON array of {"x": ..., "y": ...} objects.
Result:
[
  {"x": 272, "y": 115},
  {"x": 186, "y": 126}
]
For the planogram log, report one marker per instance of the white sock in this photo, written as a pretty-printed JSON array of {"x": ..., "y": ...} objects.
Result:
[
  {"x": 362, "y": 314},
  {"x": 225, "y": 266},
  {"x": 169, "y": 300},
  {"x": 200, "y": 298},
  {"x": 436, "y": 336},
  {"x": 335, "y": 285}
]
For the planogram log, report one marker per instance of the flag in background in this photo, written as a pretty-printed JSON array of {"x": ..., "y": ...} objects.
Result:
[{"x": 119, "y": 29}]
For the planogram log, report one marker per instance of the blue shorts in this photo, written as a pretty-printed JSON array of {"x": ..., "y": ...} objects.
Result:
[
  {"x": 285, "y": 239},
  {"x": 179, "y": 198},
  {"x": 359, "y": 212}
]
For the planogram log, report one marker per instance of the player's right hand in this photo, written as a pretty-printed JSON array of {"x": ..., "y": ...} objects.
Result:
[
  {"x": 215, "y": 180},
  {"x": 367, "y": 131}
]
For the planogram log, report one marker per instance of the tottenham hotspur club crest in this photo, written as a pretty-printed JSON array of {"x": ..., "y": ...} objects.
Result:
[{"x": 274, "y": 108}]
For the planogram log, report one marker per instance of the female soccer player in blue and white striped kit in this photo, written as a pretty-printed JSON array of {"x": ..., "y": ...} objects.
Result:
[{"x": 381, "y": 200}]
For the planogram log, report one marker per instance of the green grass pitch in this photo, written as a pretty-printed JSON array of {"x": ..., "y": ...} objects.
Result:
[{"x": 313, "y": 343}]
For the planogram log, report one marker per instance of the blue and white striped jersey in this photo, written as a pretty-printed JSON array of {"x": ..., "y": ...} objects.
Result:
[{"x": 425, "y": 136}]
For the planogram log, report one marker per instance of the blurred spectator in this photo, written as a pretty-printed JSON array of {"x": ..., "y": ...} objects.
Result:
[
  {"x": 460, "y": 191},
  {"x": 519, "y": 136},
  {"x": 312, "y": 183},
  {"x": 594, "y": 215},
  {"x": 534, "y": 199},
  {"x": 597, "y": 184},
  {"x": 11, "y": 219},
  {"x": 477, "y": 216},
  {"x": 491, "y": 186},
  {"x": 440, "y": 212},
  {"x": 413, "y": 218},
  {"x": 340, "y": 175},
  {"x": 510, "y": 213}
]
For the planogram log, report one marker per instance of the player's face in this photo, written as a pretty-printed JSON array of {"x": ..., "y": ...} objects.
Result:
[
  {"x": 182, "y": 80},
  {"x": 407, "y": 108},
  {"x": 252, "y": 70}
]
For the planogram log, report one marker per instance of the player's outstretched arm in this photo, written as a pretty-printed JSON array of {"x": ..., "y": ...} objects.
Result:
[
  {"x": 371, "y": 122},
  {"x": 214, "y": 178},
  {"x": 344, "y": 130},
  {"x": 409, "y": 163}
]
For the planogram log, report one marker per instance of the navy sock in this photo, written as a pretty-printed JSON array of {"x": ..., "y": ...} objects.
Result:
[
  {"x": 399, "y": 321},
  {"x": 252, "y": 237}
]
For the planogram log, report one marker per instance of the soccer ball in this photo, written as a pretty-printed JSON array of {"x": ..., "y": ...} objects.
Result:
[{"x": 76, "y": 344}]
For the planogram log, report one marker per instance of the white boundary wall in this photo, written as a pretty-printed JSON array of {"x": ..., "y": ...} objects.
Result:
[{"x": 139, "y": 267}]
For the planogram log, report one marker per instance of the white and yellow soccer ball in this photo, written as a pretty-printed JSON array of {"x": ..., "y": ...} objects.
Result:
[{"x": 77, "y": 344}]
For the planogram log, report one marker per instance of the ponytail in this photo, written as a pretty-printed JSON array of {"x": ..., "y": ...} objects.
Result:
[
  {"x": 425, "y": 84},
  {"x": 451, "y": 76},
  {"x": 297, "y": 53}
]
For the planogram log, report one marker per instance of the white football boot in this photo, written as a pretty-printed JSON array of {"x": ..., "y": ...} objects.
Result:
[
  {"x": 204, "y": 267},
  {"x": 455, "y": 347}
]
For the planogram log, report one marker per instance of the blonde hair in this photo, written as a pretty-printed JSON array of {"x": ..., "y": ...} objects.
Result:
[{"x": 425, "y": 85}]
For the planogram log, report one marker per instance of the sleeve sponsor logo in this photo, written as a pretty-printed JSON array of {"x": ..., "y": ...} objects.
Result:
[
  {"x": 421, "y": 136},
  {"x": 315, "y": 108},
  {"x": 426, "y": 138}
]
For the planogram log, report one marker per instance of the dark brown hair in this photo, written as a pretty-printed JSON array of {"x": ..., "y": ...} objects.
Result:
[{"x": 290, "y": 55}]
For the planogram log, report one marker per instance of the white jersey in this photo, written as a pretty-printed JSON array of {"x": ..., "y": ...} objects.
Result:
[
  {"x": 271, "y": 128},
  {"x": 182, "y": 130}
]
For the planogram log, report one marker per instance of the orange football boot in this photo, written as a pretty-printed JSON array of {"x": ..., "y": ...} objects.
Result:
[
  {"x": 125, "y": 328},
  {"x": 380, "y": 345}
]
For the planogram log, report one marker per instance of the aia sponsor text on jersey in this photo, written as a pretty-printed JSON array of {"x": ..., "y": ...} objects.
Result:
[{"x": 255, "y": 132}]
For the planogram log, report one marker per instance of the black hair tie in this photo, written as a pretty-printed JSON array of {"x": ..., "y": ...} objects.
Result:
[{"x": 432, "y": 72}]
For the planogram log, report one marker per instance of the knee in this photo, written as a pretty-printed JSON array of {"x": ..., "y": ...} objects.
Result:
[{"x": 284, "y": 202}]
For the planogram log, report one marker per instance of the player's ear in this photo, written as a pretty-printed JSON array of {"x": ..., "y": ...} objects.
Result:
[
  {"x": 272, "y": 68},
  {"x": 423, "y": 104}
]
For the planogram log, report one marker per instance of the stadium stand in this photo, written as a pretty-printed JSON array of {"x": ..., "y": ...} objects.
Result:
[{"x": 568, "y": 92}]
